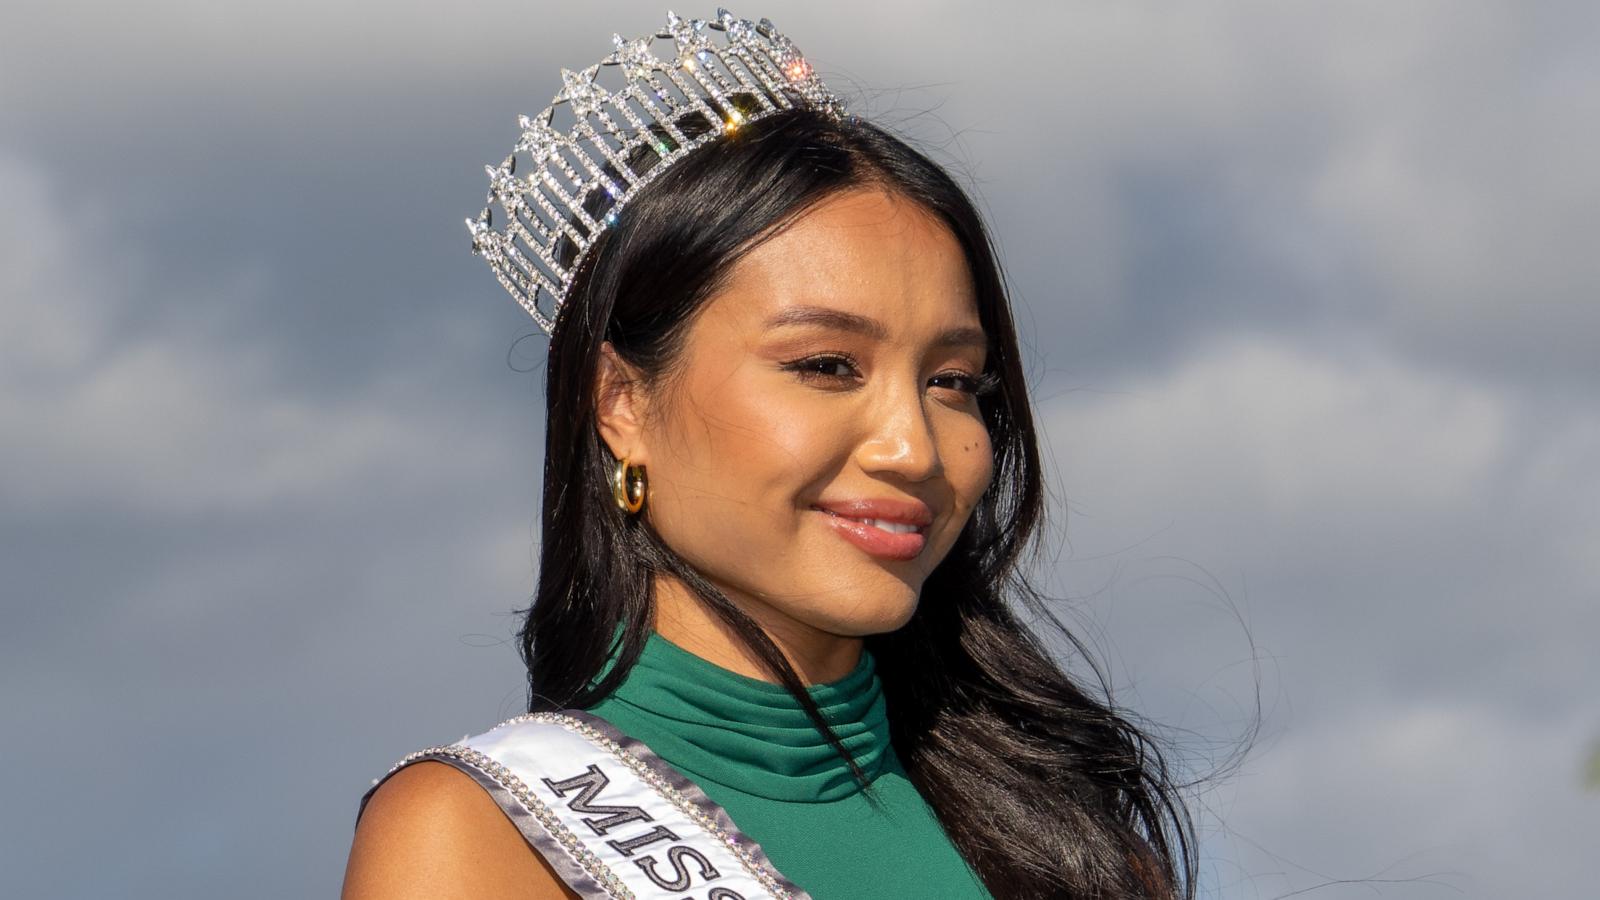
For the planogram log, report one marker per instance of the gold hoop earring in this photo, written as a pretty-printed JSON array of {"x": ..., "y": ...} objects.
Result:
[{"x": 623, "y": 481}]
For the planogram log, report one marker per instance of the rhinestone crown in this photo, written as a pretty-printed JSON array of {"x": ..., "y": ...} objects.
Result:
[{"x": 620, "y": 140}]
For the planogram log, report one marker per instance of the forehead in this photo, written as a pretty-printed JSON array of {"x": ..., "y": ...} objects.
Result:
[{"x": 863, "y": 251}]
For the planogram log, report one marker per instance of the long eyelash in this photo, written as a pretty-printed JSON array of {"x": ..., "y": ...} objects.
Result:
[
  {"x": 985, "y": 384},
  {"x": 982, "y": 385},
  {"x": 805, "y": 367}
]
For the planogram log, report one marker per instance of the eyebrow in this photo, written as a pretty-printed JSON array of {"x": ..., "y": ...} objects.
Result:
[{"x": 839, "y": 320}]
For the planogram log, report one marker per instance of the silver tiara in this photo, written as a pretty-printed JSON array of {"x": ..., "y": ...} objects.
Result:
[{"x": 583, "y": 174}]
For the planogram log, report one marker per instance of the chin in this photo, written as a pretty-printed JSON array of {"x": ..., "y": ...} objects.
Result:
[{"x": 878, "y": 618}]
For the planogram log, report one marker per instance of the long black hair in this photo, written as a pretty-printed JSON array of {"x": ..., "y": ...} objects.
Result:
[{"x": 1045, "y": 788}]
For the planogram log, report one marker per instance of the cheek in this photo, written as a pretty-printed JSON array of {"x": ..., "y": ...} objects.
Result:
[
  {"x": 738, "y": 461},
  {"x": 971, "y": 466}
]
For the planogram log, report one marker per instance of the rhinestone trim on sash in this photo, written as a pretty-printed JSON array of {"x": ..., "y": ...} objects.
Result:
[{"x": 667, "y": 783}]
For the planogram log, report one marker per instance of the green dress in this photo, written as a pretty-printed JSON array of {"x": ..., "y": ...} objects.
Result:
[{"x": 750, "y": 747}]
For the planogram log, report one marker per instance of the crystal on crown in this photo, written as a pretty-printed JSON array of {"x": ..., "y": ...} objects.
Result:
[{"x": 619, "y": 140}]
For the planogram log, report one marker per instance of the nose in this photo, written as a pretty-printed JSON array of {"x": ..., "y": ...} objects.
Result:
[{"x": 899, "y": 434}]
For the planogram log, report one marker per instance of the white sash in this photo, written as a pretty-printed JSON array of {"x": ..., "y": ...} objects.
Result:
[{"x": 611, "y": 817}]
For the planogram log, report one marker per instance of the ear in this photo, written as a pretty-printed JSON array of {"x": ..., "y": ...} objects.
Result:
[{"x": 620, "y": 406}]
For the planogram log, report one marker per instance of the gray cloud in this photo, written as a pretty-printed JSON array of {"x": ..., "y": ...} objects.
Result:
[{"x": 1410, "y": 555}]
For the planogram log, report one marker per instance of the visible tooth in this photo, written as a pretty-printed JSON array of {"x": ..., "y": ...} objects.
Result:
[{"x": 895, "y": 527}]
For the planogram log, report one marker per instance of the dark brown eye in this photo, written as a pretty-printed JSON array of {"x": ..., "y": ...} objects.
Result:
[
  {"x": 976, "y": 385},
  {"x": 832, "y": 366}
]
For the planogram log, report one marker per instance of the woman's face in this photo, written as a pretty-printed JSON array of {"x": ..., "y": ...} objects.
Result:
[{"x": 828, "y": 382}]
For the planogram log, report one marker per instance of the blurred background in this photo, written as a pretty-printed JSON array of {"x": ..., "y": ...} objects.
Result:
[{"x": 1308, "y": 292}]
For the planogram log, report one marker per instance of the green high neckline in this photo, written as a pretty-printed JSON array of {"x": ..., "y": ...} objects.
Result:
[
  {"x": 750, "y": 747},
  {"x": 750, "y": 735}
]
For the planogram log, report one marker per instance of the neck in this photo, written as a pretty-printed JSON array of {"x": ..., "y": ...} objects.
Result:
[{"x": 817, "y": 656}]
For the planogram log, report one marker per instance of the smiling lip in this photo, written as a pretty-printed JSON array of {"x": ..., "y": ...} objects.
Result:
[{"x": 845, "y": 516}]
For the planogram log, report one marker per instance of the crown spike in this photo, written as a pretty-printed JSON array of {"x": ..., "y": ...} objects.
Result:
[{"x": 546, "y": 215}]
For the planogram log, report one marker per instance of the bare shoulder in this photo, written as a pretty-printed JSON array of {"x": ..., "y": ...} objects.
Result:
[{"x": 431, "y": 832}]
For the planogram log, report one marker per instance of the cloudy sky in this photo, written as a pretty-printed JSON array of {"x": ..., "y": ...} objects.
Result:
[{"x": 1308, "y": 290}]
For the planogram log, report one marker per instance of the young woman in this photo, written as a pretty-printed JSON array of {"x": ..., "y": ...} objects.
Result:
[{"x": 790, "y": 474}]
